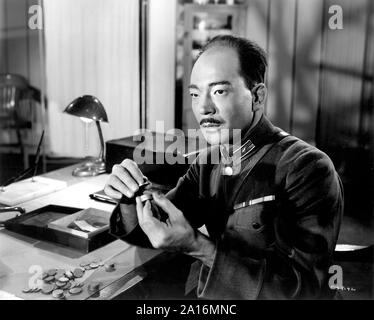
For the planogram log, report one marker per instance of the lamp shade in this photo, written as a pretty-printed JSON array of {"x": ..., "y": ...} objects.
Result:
[{"x": 87, "y": 107}]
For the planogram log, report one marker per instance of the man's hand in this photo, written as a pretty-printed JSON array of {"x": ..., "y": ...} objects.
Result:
[
  {"x": 176, "y": 234},
  {"x": 125, "y": 179}
]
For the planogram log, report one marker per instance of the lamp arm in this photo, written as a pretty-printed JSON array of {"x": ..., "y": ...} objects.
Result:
[{"x": 102, "y": 146}]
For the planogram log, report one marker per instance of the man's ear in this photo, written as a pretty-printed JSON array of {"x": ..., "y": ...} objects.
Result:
[{"x": 259, "y": 93}]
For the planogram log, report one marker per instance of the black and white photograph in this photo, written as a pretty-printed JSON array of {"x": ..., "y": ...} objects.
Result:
[{"x": 186, "y": 155}]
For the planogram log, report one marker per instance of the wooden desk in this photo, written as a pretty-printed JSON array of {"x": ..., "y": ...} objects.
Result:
[{"x": 23, "y": 258}]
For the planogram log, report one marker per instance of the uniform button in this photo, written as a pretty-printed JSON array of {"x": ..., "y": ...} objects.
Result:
[{"x": 256, "y": 225}]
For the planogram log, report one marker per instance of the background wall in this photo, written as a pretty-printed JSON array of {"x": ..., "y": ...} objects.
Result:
[
  {"x": 19, "y": 54},
  {"x": 321, "y": 84},
  {"x": 19, "y": 46},
  {"x": 161, "y": 63}
]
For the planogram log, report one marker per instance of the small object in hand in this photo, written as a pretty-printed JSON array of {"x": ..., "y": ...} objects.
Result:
[
  {"x": 75, "y": 290},
  {"x": 110, "y": 267},
  {"x": 58, "y": 293},
  {"x": 145, "y": 197}
]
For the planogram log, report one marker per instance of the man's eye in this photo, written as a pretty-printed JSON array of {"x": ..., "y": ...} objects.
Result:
[
  {"x": 193, "y": 95},
  {"x": 220, "y": 92}
]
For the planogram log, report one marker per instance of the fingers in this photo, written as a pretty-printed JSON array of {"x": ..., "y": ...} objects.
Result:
[
  {"x": 165, "y": 204},
  {"x": 139, "y": 210},
  {"x": 147, "y": 222},
  {"x": 134, "y": 170},
  {"x": 112, "y": 192},
  {"x": 115, "y": 185},
  {"x": 125, "y": 179}
]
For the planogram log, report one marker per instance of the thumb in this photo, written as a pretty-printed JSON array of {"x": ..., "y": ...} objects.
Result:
[{"x": 167, "y": 206}]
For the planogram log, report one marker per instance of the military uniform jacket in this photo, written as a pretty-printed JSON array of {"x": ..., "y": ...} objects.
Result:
[{"x": 275, "y": 226}]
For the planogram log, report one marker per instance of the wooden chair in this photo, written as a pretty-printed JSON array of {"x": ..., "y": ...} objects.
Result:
[{"x": 16, "y": 103}]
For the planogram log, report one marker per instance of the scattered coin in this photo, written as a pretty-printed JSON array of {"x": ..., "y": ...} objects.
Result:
[
  {"x": 48, "y": 288},
  {"x": 59, "y": 275},
  {"x": 94, "y": 265},
  {"x": 75, "y": 290},
  {"x": 45, "y": 275},
  {"x": 63, "y": 279},
  {"x": 87, "y": 268},
  {"x": 49, "y": 279},
  {"x": 78, "y": 273},
  {"x": 58, "y": 293},
  {"x": 67, "y": 286},
  {"x": 83, "y": 264},
  {"x": 60, "y": 284},
  {"x": 52, "y": 272}
]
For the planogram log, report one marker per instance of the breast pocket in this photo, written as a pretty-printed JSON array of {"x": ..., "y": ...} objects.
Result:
[
  {"x": 254, "y": 224},
  {"x": 250, "y": 218}
]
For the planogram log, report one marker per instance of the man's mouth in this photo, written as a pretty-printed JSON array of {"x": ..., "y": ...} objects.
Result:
[{"x": 210, "y": 123}]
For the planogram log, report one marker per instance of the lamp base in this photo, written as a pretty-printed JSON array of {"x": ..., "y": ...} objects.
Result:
[{"x": 90, "y": 168}]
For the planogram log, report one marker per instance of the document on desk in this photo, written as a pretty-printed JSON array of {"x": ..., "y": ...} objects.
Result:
[
  {"x": 29, "y": 189},
  {"x": 8, "y": 296}
]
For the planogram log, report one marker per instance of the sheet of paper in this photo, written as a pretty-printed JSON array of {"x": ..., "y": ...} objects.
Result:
[
  {"x": 83, "y": 225},
  {"x": 29, "y": 189}
]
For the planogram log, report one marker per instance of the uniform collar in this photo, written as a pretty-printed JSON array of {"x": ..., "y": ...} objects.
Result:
[{"x": 262, "y": 133}]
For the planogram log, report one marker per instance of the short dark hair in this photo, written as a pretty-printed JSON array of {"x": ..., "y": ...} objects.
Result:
[{"x": 252, "y": 58}]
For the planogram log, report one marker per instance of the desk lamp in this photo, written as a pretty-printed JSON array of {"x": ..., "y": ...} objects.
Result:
[{"x": 89, "y": 107}]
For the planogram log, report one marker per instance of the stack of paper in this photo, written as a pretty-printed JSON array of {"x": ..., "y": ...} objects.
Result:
[{"x": 29, "y": 189}]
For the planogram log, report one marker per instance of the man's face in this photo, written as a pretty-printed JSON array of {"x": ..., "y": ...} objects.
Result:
[{"x": 220, "y": 99}]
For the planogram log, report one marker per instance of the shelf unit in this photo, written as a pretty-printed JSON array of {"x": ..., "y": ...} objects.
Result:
[{"x": 202, "y": 23}]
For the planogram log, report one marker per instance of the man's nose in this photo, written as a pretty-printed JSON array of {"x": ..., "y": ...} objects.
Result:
[{"x": 207, "y": 106}]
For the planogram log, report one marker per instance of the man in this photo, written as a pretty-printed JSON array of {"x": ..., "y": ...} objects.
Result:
[{"x": 272, "y": 209}]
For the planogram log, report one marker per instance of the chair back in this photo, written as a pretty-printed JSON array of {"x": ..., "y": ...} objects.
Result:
[{"x": 12, "y": 88}]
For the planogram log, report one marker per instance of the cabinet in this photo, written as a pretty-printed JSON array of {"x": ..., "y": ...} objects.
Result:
[{"x": 202, "y": 23}]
